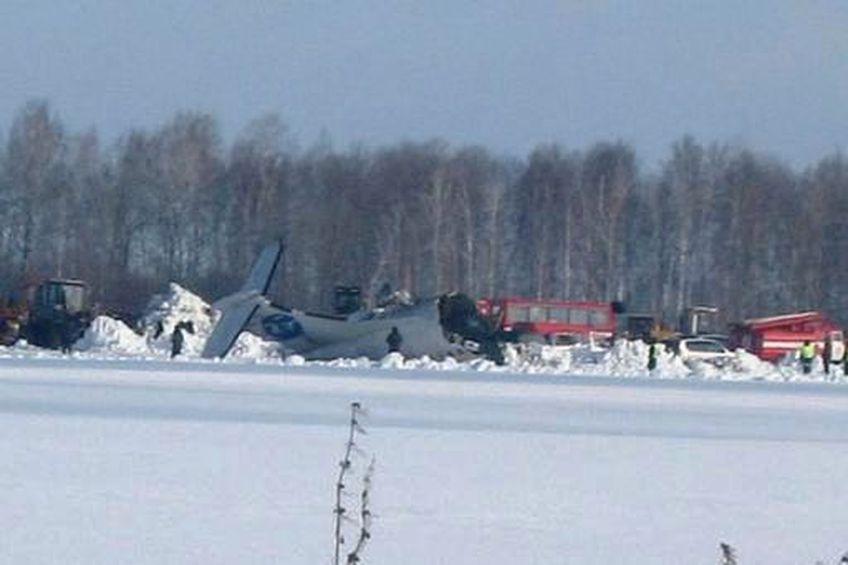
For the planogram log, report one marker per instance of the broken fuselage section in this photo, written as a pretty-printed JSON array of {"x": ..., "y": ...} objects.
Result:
[{"x": 448, "y": 325}]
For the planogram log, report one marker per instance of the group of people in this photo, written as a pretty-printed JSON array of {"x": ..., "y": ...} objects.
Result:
[
  {"x": 833, "y": 353},
  {"x": 177, "y": 337}
]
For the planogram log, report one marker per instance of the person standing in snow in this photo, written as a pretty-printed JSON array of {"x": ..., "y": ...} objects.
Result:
[
  {"x": 177, "y": 340},
  {"x": 807, "y": 354},
  {"x": 66, "y": 330},
  {"x": 826, "y": 353},
  {"x": 652, "y": 355},
  {"x": 837, "y": 352},
  {"x": 845, "y": 359},
  {"x": 394, "y": 340}
]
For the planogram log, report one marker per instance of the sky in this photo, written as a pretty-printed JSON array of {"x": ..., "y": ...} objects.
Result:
[{"x": 767, "y": 74}]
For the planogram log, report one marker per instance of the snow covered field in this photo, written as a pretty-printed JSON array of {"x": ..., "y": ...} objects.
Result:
[
  {"x": 153, "y": 461},
  {"x": 117, "y": 454}
]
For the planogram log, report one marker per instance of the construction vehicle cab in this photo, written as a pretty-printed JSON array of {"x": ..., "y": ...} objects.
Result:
[
  {"x": 346, "y": 300},
  {"x": 57, "y": 313},
  {"x": 59, "y": 294}
]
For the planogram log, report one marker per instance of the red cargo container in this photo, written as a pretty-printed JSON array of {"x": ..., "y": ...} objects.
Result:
[{"x": 773, "y": 337}]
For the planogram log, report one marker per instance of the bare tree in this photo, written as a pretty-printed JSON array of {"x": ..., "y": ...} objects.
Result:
[
  {"x": 717, "y": 224},
  {"x": 33, "y": 153}
]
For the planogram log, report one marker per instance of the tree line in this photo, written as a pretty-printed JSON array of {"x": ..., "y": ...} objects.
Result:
[{"x": 715, "y": 224}]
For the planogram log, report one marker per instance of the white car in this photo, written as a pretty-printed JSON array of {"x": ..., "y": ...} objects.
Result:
[{"x": 703, "y": 349}]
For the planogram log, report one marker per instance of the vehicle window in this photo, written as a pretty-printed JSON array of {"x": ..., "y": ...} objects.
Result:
[
  {"x": 74, "y": 298},
  {"x": 55, "y": 294},
  {"x": 598, "y": 318},
  {"x": 703, "y": 346},
  {"x": 579, "y": 317},
  {"x": 558, "y": 314},
  {"x": 519, "y": 314},
  {"x": 565, "y": 339},
  {"x": 538, "y": 314}
]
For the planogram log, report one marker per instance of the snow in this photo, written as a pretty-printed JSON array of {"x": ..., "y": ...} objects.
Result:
[
  {"x": 113, "y": 339},
  {"x": 106, "y": 334},
  {"x": 115, "y": 460},
  {"x": 118, "y": 454},
  {"x": 172, "y": 307}
]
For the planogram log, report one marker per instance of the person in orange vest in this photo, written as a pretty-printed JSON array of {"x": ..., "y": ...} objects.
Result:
[{"x": 807, "y": 354}]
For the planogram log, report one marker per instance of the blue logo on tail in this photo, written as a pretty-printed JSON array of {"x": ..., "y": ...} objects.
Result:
[{"x": 282, "y": 326}]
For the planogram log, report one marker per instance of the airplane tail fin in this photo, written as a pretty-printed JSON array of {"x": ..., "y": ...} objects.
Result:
[
  {"x": 237, "y": 309},
  {"x": 263, "y": 269}
]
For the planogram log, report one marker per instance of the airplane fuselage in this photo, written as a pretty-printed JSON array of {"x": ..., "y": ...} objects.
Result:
[
  {"x": 449, "y": 324},
  {"x": 318, "y": 336}
]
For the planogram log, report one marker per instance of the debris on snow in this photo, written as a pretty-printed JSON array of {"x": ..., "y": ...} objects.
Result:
[{"x": 109, "y": 337}]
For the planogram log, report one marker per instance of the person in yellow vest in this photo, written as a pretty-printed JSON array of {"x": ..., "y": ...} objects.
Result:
[
  {"x": 653, "y": 350},
  {"x": 807, "y": 354}
]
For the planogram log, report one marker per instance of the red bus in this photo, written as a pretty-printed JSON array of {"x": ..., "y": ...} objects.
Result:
[{"x": 552, "y": 321}]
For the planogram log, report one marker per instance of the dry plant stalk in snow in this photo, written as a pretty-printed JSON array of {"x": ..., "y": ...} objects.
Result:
[
  {"x": 345, "y": 466},
  {"x": 364, "y": 516},
  {"x": 728, "y": 554}
]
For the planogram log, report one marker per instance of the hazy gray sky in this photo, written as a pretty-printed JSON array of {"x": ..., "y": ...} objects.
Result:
[{"x": 771, "y": 74}]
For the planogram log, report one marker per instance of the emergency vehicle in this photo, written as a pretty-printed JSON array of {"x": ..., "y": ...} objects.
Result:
[
  {"x": 776, "y": 336},
  {"x": 551, "y": 321}
]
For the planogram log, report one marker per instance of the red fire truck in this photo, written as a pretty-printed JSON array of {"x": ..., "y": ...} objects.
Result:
[
  {"x": 552, "y": 321},
  {"x": 772, "y": 338}
]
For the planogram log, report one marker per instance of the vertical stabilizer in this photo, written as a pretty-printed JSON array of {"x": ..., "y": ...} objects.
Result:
[
  {"x": 237, "y": 309},
  {"x": 263, "y": 269}
]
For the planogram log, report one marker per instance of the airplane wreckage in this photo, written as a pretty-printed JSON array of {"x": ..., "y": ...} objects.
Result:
[{"x": 447, "y": 325}]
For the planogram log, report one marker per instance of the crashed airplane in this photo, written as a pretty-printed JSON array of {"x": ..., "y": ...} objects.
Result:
[{"x": 448, "y": 325}]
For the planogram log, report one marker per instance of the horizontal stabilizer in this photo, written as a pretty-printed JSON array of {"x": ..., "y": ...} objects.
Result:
[{"x": 237, "y": 309}]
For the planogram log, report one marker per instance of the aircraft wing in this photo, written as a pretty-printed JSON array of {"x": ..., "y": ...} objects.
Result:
[{"x": 232, "y": 322}]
